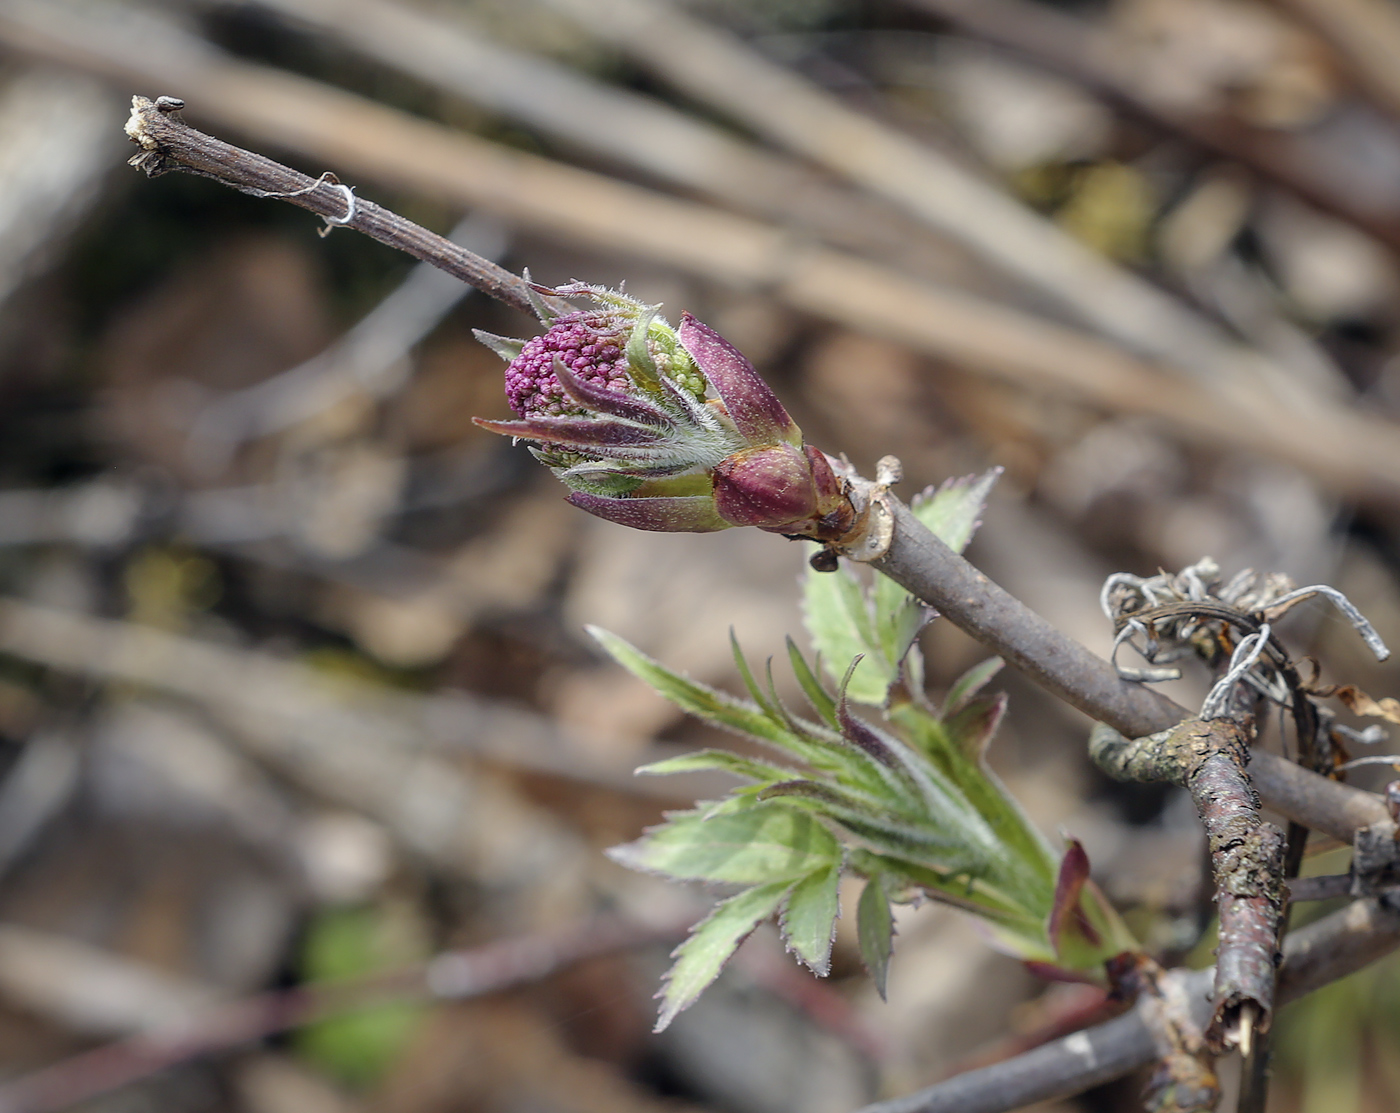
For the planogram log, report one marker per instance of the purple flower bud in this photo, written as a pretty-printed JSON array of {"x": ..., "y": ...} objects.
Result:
[
  {"x": 590, "y": 343},
  {"x": 782, "y": 489},
  {"x": 616, "y": 401},
  {"x": 750, "y": 402}
]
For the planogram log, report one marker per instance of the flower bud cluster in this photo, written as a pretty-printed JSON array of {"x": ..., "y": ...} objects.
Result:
[{"x": 663, "y": 429}]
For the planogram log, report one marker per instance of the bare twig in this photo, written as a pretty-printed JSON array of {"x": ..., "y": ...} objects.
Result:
[
  {"x": 168, "y": 143},
  {"x": 923, "y": 565},
  {"x": 1322, "y": 952},
  {"x": 453, "y": 976},
  {"x": 1208, "y": 758},
  {"x": 445, "y": 49}
]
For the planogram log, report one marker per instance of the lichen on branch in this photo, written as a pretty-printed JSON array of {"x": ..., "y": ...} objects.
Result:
[{"x": 1208, "y": 758}]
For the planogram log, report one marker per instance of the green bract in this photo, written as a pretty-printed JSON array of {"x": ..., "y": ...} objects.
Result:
[{"x": 908, "y": 804}]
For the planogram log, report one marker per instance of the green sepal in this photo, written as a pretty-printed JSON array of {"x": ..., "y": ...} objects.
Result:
[
  {"x": 507, "y": 347},
  {"x": 713, "y": 942},
  {"x": 542, "y": 310},
  {"x": 641, "y": 366}
]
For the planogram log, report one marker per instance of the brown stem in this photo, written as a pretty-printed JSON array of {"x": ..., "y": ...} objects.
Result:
[
  {"x": 1208, "y": 758},
  {"x": 919, "y": 562},
  {"x": 1322, "y": 952},
  {"x": 168, "y": 143}
]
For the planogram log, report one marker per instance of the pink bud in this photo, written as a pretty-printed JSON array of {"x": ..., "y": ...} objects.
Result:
[{"x": 783, "y": 489}]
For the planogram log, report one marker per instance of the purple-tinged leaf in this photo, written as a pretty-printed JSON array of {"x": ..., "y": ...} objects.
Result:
[
  {"x": 679, "y": 514},
  {"x": 751, "y": 403},
  {"x": 861, "y": 734},
  {"x": 770, "y": 486},
  {"x": 973, "y": 727},
  {"x": 570, "y": 431},
  {"x": 611, "y": 402},
  {"x": 781, "y": 488},
  {"x": 1065, "y": 912}
]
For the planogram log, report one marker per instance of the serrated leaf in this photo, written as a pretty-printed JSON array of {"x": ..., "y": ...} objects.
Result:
[
  {"x": 1016, "y": 851},
  {"x": 713, "y": 942},
  {"x": 809, "y": 918},
  {"x": 875, "y": 930},
  {"x": 758, "y": 844},
  {"x": 838, "y": 621},
  {"x": 954, "y": 511},
  {"x": 721, "y": 760},
  {"x": 970, "y": 683},
  {"x": 746, "y": 675},
  {"x": 820, "y": 699},
  {"x": 699, "y": 699}
]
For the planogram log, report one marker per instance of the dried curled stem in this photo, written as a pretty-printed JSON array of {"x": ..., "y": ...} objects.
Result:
[{"x": 1208, "y": 758}]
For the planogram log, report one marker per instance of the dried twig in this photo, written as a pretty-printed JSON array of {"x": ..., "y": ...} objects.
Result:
[
  {"x": 1208, "y": 757},
  {"x": 1367, "y": 34},
  {"x": 1331, "y": 948},
  {"x": 719, "y": 69},
  {"x": 168, "y": 143},
  {"x": 446, "y": 50},
  {"x": 923, "y": 565}
]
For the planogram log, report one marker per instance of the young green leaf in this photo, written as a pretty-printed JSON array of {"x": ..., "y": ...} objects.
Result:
[
  {"x": 838, "y": 621},
  {"x": 721, "y": 760},
  {"x": 971, "y": 728},
  {"x": 713, "y": 942},
  {"x": 875, "y": 930},
  {"x": 746, "y": 674},
  {"x": 820, "y": 699},
  {"x": 809, "y": 919},
  {"x": 954, "y": 511},
  {"x": 970, "y": 683},
  {"x": 698, "y": 699},
  {"x": 765, "y": 842}
]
